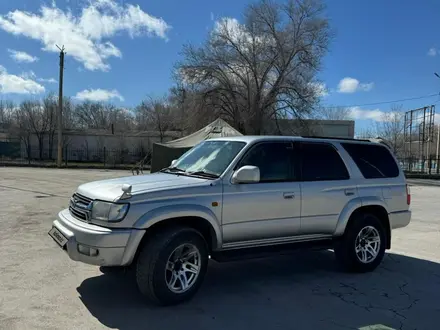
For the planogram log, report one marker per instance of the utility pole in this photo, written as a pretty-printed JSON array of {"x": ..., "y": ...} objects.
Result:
[
  {"x": 438, "y": 135},
  {"x": 60, "y": 110}
]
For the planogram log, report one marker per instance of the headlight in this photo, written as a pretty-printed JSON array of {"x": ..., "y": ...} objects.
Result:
[{"x": 112, "y": 212}]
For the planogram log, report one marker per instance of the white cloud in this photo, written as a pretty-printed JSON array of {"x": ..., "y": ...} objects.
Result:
[
  {"x": 378, "y": 115},
  {"x": 351, "y": 85},
  {"x": 98, "y": 95},
  {"x": 373, "y": 114},
  {"x": 364, "y": 114},
  {"x": 432, "y": 52},
  {"x": 84, "y": 36},
  {"x": 28, "y": 75},
  {"x": 348, "y": 85},
  {"x": 24, "y": 84},
  {"x": 22, "y": 57},
  {"x": 48, "y": 80}
]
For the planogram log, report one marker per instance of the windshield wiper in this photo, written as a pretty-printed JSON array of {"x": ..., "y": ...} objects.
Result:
[
  {"x": 172, "y": 169},
  {"x": 203, "y": 173}
]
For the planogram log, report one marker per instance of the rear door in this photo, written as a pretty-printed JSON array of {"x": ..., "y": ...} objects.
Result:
[
  {"x": 383, "y": 178},
  {"x": 326, "y": 187}
]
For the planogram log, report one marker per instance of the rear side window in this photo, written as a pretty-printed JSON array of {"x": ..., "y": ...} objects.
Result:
[
  {"x": 374, "y": 161},
  {"x": 321, "y": 162}
]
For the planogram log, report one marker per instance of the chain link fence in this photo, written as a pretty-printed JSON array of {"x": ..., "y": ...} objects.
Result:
[
  {"x": 73, "y": 157},
  {"x": 428, "y": 166}
]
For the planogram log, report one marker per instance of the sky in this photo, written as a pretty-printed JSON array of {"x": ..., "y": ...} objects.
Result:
[{"x": 123, "y": 50}]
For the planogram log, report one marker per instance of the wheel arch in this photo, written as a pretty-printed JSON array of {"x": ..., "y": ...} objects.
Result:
[
  {"x": 202, "y": 225},
  {"x": 378, "y": 210}
]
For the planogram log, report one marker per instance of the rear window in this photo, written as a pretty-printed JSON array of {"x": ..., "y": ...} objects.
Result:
[{"x": 374, "y": 161}]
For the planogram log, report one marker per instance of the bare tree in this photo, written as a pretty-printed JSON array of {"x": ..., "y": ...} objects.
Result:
[
  {"x": 391, "y": 127},
  {"x": 99, "y": 115},
  {"x": 267, "y": 65},
  {"x": 6, "y": 114},
  {"x": 70, "y": 119},
  {"x": 21, "y": 129},
  {"x": 333, "y": 113},
  {"x": 367, "y": 133},
  {"x": 155, "y": 114},
  {"x": 37, "y": 120},
  {"x": 50, "y": 108},
  {"x": 92, "y": 115}
]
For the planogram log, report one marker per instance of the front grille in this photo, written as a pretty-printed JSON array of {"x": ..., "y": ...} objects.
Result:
[{"x": 79, "y": 207}]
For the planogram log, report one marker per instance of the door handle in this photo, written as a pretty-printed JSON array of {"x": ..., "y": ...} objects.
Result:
[
  {"x": 349, "y": 192},
  {"x": 289, "y": 195}
]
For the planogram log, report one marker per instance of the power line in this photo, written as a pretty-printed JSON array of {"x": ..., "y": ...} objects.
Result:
[{"x": 385, "y": 102}]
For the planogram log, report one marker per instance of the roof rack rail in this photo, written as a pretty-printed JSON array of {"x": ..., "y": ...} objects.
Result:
[{"x": 334, "y": 138}]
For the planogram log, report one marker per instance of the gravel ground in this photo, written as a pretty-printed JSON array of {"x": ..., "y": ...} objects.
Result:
[{"x": 40, "y": 288}]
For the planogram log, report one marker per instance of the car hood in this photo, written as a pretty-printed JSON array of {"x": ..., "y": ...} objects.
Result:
[{"x": 111, "y": 190}]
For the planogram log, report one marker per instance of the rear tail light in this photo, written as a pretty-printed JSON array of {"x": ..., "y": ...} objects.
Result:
[{"x": 408, "y": 195}]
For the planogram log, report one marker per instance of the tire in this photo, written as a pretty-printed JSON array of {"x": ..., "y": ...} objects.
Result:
[
  {"x": 364, "y": 225},
  {"x": 113, "y": 269},
  {"x": 153, "y": 276}
]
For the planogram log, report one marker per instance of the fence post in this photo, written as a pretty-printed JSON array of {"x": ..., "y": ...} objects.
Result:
[
  {"x": 104, "y": 156},
  {"x": 436, "y": 166}
]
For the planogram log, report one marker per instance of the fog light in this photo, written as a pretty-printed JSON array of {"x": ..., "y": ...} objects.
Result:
[
  {"x": 84, "y": 249},
  {"x": 93, "y": 252},
  {"x": 87, "y": 251}
]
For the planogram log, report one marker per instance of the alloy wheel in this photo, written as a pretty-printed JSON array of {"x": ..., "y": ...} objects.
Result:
[
  {"x": 183, "y": 268},
  {"x": 367, "y": 244}
]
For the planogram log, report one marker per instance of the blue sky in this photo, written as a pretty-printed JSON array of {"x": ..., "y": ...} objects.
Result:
[{"x": 383, "y": 50}]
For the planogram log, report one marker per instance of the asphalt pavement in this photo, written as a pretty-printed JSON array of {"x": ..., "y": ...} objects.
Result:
[{"x": 40, "y": 288}]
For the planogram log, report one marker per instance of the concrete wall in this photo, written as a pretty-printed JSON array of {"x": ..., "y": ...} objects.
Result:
[{"x": 89, "y": 145}]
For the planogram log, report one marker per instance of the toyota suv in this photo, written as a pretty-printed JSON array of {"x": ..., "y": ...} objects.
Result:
[{"x": 238, "y": 197}]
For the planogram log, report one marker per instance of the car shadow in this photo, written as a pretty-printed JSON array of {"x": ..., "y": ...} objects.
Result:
[{"x": 298, "y": 291}]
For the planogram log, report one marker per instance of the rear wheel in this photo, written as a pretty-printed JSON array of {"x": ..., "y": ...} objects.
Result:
[
  {"x": 362, "y": 247},
  {"x": 171, "y": 265}
]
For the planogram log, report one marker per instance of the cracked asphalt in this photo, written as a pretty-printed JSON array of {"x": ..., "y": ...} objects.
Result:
[{"x": 40, "y": 288}]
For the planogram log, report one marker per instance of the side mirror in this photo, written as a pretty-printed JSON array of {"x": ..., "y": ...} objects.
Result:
[
  {"x": 173, "y": 162},
  {"x": 246, "y": 174}
]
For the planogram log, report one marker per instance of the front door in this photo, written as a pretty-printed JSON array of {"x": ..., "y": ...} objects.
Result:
[{"x": 266, "y": 211}]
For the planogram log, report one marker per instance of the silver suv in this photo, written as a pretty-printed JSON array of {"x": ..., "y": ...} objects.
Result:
[{"x": 239, "y": 197}]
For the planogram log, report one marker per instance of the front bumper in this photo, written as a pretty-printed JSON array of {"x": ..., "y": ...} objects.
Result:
[
  {"x": 115, "y": 247},
  {"x": 400, "y": 219}
]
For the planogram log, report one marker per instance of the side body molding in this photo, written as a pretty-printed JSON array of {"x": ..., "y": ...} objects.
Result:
[
  {"x": 351, "y": 207},
  {"x": 179, "y": 211}
]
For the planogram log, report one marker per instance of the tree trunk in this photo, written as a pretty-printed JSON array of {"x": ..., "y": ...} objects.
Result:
[
  {"x": 40, "y": 146},
  {"x": 51, "y": 139}
]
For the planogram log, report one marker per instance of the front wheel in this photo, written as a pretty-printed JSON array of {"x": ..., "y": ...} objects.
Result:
[
  {"x": 362, "y": 247},
  {"x": 171, "y": 265}
]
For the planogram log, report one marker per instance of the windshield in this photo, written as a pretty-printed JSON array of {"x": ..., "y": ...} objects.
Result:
[{"x": 209, "y": 156}]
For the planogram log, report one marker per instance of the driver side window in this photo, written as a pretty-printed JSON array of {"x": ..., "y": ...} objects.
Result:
[{"x": 274, "y": 159}]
